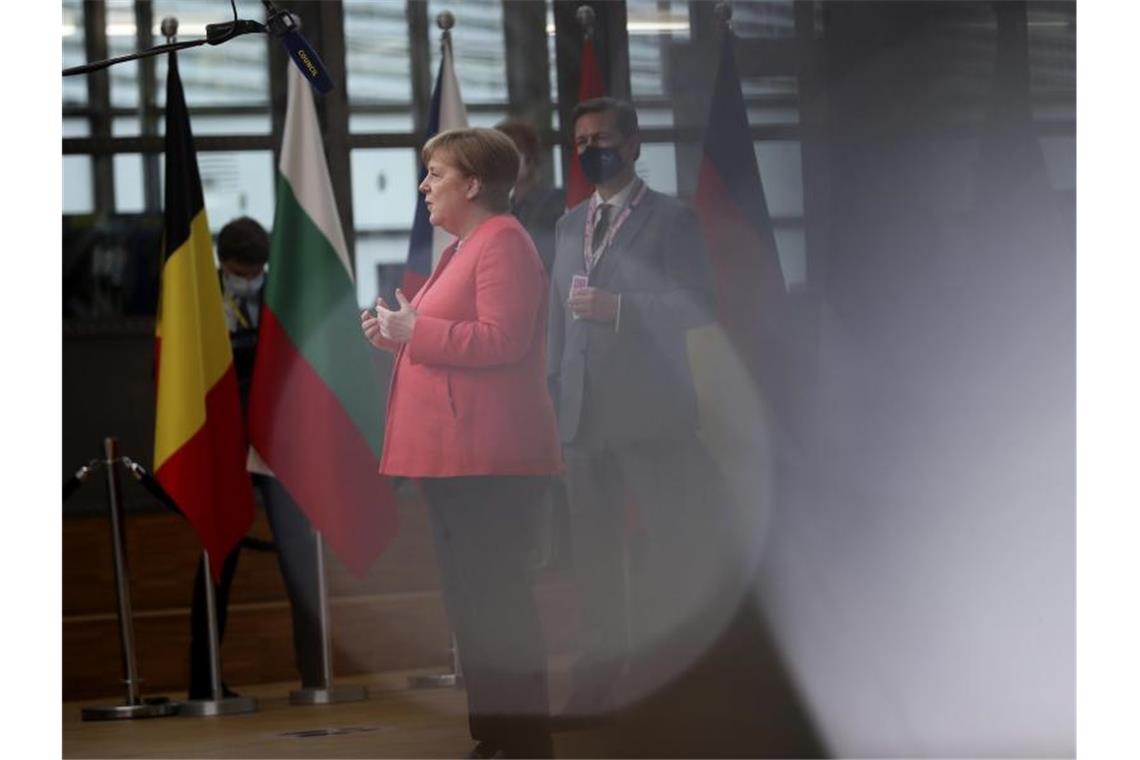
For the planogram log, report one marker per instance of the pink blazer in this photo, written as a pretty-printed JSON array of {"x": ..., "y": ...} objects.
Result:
[{"x": 468, "y": 393}]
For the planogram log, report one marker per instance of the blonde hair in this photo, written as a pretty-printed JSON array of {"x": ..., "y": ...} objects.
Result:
[{"x": 484, "y": 153}]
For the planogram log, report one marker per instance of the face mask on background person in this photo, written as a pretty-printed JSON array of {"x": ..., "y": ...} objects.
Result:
[
  {"x": 240, "y": 287},
  {"x": 599, "y": 164}
]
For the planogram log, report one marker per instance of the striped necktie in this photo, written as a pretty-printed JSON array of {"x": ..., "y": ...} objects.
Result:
[{"x": 601, "y": 224}]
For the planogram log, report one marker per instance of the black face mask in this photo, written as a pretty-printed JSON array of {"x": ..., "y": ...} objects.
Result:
[{"x": 600, "y": 164}]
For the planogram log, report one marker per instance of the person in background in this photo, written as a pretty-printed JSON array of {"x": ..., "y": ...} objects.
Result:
[
  {"x": 538, "y": 207},
  {"x": 630, "y": 278},
  {"x": 535, "y": 204},
  {"x": 469, "y": 416},
  {"x": 243, "y": 252}
]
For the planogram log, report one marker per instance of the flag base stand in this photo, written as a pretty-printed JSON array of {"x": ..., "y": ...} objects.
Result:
[
  {"x": 328, "y": 693},
  {"x": 224, "y": 706},
  {"x": 154, "y": 707},
  {"x": 452, "y": 679},
  {"x": 328, "y": 696},
  {"x": 218, "y": 704},
  {"x": 435, "y": 680}
]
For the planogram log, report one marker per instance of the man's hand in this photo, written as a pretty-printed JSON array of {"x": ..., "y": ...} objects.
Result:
[{"x": 593, "y": 303}]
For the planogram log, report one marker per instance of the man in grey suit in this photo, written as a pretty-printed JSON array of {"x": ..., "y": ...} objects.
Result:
[{"x": 619, "y": 374}]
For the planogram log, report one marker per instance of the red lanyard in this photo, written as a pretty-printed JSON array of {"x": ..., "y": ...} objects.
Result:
[{"x": 591, "y": 213}]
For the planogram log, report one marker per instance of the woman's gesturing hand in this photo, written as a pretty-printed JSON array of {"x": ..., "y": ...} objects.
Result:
[
  {"x": 371, "y": 326},
  {"x": 396, "y": 326}
]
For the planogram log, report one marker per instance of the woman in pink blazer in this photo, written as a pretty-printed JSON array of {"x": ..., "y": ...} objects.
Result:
[{"x": 470, "y": 417}]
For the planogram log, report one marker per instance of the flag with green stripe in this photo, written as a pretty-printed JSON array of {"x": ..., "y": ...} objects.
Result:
[{"x": 315, "y": 401}]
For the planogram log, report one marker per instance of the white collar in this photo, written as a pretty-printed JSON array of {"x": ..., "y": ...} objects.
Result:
[{"x": 618, "y": 200}]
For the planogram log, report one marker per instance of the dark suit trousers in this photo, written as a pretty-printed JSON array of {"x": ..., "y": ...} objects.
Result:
[
  {"x": 665, "y": 551},
  {"x": 484, "y": 530},
  {"x": 297, "y": 559}
]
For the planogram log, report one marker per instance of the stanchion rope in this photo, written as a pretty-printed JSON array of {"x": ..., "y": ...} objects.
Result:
[{"x": 71, "y": 485}]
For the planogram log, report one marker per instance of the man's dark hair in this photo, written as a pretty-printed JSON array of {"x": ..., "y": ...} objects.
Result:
[
  {"x": 626, "y": 115},
  {"x": 243, "y": 241}
]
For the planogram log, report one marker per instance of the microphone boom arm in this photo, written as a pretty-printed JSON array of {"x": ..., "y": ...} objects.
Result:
[
  {"x": 156, "y": 50},
  {"x": 216, "y": 34},
  {"x": 281, "y": 25}
]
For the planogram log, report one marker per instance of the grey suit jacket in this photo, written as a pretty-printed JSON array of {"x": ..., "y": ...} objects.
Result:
[{"x": 619, "y": 387}]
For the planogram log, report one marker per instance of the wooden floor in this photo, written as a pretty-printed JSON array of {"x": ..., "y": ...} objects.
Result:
[
  {"x": 389, "y": 620},
  {"x": 735, "y": 702},
  {"x": 394, "y": 722}
]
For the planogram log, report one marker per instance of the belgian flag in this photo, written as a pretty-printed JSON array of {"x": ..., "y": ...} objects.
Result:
[{"x": 199, "y": 437}]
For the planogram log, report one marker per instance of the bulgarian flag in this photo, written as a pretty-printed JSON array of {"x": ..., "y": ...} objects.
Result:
[
  {"x": 578, "y": 188},
  {"x": 199, "y": 438},
  {"x": 315, "y": 402},
  {"x": 447, "y": 112}
]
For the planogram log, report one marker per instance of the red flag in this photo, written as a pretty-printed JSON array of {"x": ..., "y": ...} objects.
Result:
[{"x": 578, "y": 188}]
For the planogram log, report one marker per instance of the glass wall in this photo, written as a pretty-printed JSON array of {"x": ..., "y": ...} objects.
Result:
[
  {"x": 378, "y": 60},
  {"x": 767, "y": 19},
  {"x": 74, "y": 54},
  {"x": 477, "y": 40},
  {"x": 229, "y": 92},
  {"x": 78, "y": 185}
]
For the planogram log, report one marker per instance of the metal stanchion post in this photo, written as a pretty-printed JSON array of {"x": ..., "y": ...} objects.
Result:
[
  {"x": 327, "y": 693},
  {"x": 136, "y": 707},
  {"x": 219, "y": 704}
]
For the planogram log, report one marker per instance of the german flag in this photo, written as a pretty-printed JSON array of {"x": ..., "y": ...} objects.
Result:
[
  {"x": 733, "y": 211},
  {"x": 199, "y": 437},
  {"x": 739, "y": 363}
]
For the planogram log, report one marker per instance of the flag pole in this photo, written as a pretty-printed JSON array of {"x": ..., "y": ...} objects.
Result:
[
  {"x": 586, "y": 18},
  {"x": 218, "y": 704},
  {"x": 326, "y": 693},
  {"x": 723, "y": 13},
  {"x": 445, "y": 21},
  {"x": 136, "y": 706},
  {"x": 590, "y": 85}
]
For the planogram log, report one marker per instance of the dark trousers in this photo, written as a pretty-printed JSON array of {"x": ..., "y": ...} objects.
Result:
[
  {"x": 641, "y": 583},
  {"x": 484, "y": 530},
  {"x": 297, "y": 559}
]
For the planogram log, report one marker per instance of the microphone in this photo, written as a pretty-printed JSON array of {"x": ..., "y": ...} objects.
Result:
[{"x": 285, "y": 26}]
